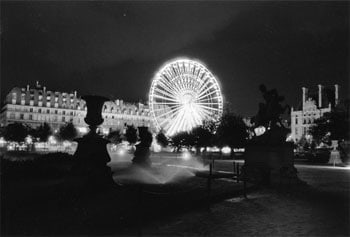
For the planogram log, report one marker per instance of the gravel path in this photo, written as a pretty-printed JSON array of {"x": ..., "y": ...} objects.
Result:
[{"x": 319, "y": 209}]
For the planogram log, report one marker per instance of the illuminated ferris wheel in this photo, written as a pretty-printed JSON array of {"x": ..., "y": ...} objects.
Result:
[{"x": 183, "y": 94}]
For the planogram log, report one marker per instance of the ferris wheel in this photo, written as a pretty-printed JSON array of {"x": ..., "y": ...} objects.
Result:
[{"x": 183, "y": 94}]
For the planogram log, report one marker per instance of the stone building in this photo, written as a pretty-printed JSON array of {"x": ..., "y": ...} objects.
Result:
[
  {"x": 314, "y": 106},
  {"x": 36, "y": 105}
]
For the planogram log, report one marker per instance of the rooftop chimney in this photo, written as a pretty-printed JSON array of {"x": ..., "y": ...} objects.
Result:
[
  {"x": 336, "y": 94},
  {"x": 319, "y": 96},
  {"x": 304, "y": 95}
]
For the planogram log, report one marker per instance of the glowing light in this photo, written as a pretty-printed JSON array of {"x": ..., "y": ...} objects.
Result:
[
  {"x": 289, "y": 138},
  {"x": 259, "y": 130},
  {"x": 186, "y": 155},
  {"x": 157, "y": 147},
  {"x": 66, "y": 144},
  {"x": 28, "y": 140},
  {"x": 83, "y": 130},
  {"x": 226, "y": 150},
  {"x": 2, "y": 141},
  {"x": 121, "y": 151},
  {"x": 183, "y": 94},
  {"x": 105, "y": 131},
  {"x": 52, "y": 140}
]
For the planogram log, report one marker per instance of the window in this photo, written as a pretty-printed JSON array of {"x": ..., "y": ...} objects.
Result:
[
  {"x": 63, "y": 119},
  {"x": 63, "y": 112},
  {"x": 48, "y": 111},
  {"x": 21, "y": 116},
  {"x": 39, "y": 110},
  {"x": 71, "y": 113},
  {"x": 12, "y": 116},
  {"x": 56, "y": 111},
  {"x": 31, "y": 110},
  {"x": 30, "y": 117}
]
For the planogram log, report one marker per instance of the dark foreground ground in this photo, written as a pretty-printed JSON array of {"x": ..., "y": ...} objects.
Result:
[{"x": 177, "y": 204}]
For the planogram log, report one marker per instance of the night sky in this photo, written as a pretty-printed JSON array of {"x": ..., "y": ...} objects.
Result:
[{"x": 114, "y": 48}]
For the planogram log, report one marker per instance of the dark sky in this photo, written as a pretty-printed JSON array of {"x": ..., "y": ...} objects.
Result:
[{"x": 114, "y": 48}]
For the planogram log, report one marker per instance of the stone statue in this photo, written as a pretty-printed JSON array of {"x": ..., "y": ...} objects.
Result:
[
  {"x": 268, "y": 116},
  {"x": 268, "y": 157},
  {"x": 91, "y": 156}
]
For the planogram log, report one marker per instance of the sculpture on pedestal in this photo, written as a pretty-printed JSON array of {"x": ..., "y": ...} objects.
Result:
[
  {"x": 91, "y": 156},
  {"x": 268, "y": 157}
]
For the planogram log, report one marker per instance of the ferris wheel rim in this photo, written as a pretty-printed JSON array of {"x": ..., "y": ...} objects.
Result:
[{"x": 175, "y": 95}]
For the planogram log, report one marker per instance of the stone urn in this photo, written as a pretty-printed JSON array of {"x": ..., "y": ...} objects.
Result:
[{"x": 91, "y": 156}]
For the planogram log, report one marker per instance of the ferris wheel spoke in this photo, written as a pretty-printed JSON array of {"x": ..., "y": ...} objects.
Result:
[
  {"x": 209, "y": 98},
  {"x": 209, "y": 108},
  {"x": 162, "y": 87},
  {"x": 165, "y": 98},
  {"x": 204, "y": 86},
  {"x": 206, "y": 90},
  {"x": 206, "y": 95},
  {"x": 162, "y": 108},
  {"x": 174, "y": 125},
  {"x": 169, "y": 87},
  {"x": 173, "y": 113}
]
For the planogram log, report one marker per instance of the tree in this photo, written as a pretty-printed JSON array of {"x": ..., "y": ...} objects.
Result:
[
  {"x": 203, "y": 135},
  {"x": 131, "y": 134},
  {"x": 162, "y": 139},
  {"x": 333, "y": 125},
  {"x": 42, "y": 132},
  {"x": 182, "y": 139},
  {"x": 232, "y": 131},
  {"x": 16, "y": 132},
  {"x": 114, "y": 137},
  {"x": 67, "y": 132}
]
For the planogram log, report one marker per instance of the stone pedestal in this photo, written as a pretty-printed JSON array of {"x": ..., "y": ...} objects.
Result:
[{"x": 270, "y": 164}]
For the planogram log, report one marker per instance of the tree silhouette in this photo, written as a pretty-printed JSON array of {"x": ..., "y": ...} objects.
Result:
[
  {"x": 67, "y": 132},
  {"x": 335, "y": 123},
  {"x": 232, "y": 131},
  {"x": 203, "y": 136},
  {"x": 131, "y": 134},
  {"x": 183, "y": 139},
  {"x": 16, "y": 132},
  {"x": 114, "y": 137},
  {"x": 42, "y": 132},
  {"x": 162, "y": 139}
]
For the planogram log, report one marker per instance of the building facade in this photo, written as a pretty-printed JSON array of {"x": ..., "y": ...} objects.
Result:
[
  {"x": 314, "y": 106},
  {"x": 37, "y": 105}
]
